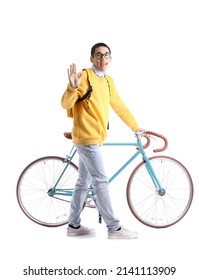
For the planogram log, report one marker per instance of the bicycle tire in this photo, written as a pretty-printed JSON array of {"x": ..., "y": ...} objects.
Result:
[
  {"x": 147, "y": 205},
  {"x": 33, "y": 189}
]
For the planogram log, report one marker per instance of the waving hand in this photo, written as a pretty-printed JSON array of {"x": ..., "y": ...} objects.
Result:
[{"x": 74, "y": 79}]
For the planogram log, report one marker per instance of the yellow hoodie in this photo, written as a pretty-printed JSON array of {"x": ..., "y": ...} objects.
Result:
[{"x": 91, "y": 116}]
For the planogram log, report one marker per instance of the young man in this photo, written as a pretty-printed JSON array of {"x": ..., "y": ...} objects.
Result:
[{"x": 90, "y": 120}]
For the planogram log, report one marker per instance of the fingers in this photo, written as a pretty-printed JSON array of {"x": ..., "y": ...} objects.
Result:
[
  {"x": 73, "y": 68},
  {"x": 74, "y": 80},
  {"x": 71, "y": 71},
  {"x": 140, "y": 130}
]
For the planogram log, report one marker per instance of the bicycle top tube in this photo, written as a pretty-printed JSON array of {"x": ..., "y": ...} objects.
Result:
[
  {"x": 68, "y": 135},
  {"x": 138, "y": 135},
  {"x": 119, "y": 144}
]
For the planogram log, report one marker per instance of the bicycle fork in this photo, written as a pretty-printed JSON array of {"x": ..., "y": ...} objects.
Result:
[{"x": 156, "y": 182}]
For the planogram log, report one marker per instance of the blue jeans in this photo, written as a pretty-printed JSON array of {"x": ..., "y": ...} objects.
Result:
[{"x": 91, "y": 169}]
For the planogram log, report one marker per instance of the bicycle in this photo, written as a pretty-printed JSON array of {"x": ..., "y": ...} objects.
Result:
[{"x": 159, "y": 190}]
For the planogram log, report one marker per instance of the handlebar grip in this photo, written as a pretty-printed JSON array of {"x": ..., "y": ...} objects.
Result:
[{"x": 159, "y": 136}]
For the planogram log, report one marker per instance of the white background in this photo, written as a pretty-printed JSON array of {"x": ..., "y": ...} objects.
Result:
[{"x": 155, "y": 67}]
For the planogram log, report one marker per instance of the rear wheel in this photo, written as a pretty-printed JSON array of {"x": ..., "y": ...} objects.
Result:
[{"x": 35, "y": 193}]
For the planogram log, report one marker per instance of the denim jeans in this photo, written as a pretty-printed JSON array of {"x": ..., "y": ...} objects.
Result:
[{"x": 91, "y": 169}]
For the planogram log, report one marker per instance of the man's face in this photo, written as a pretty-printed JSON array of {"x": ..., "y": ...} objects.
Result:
[{"x": 101, "y": 58}]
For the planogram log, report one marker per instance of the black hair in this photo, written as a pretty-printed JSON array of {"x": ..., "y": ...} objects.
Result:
[{"x": 97, "y": 46}]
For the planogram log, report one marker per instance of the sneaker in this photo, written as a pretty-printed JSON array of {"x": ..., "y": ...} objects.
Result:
[
  {"x": 80, "y": 231},
  {"x": 122, "y": 233}
]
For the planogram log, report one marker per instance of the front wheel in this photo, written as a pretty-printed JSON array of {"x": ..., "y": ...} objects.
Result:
[
  {"x": 35, "y": 193},
  {"x": 153, "y": 208}
]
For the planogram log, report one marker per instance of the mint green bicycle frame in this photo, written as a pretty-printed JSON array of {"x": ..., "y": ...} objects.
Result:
[{"x": 54, "y": 191}]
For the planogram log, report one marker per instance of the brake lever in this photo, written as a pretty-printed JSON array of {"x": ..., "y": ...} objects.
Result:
[{"x": 152, "y": 137}]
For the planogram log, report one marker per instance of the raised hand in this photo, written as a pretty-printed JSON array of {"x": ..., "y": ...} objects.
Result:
[{"x": 74, "y": 79}]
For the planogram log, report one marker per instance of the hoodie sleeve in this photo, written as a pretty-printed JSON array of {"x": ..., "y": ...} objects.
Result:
[
  {"x": 121, "y": 109},
  {"x": 69, "y": 97}
]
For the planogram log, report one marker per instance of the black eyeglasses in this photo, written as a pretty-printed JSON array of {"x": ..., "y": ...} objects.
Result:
[{"x": 100, "y": 55}]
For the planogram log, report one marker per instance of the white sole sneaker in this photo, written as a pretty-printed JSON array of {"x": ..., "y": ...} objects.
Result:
[
  {"x": 82, "y": 231},
  {"x": 123, "y": 233}
]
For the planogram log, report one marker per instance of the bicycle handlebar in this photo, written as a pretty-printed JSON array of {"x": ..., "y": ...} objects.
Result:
[{"x": 159, "y": 136}]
